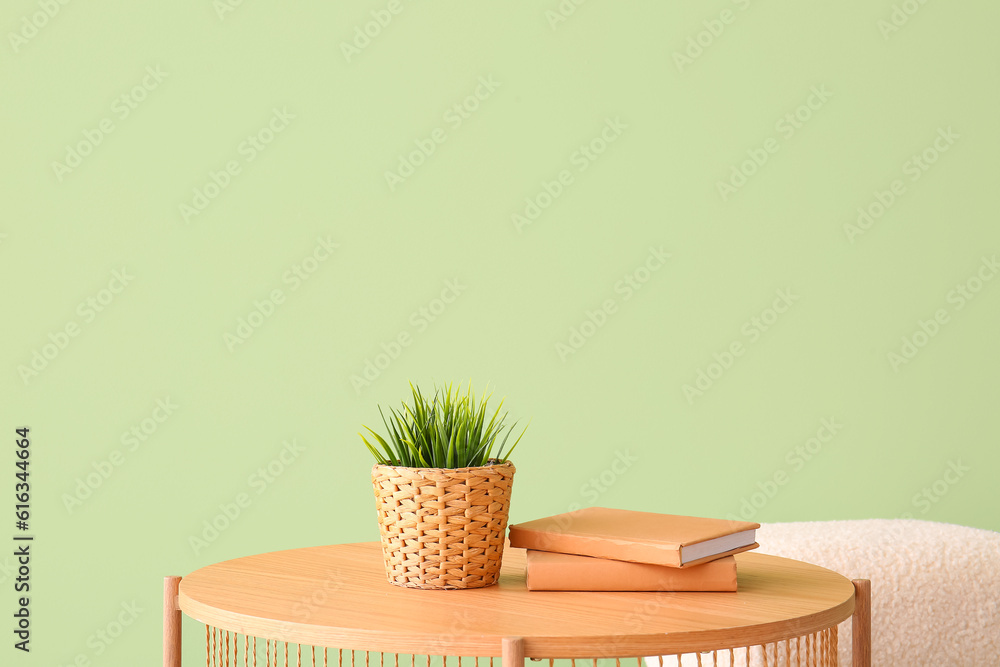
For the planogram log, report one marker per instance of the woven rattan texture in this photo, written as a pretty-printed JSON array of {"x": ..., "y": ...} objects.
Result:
[{"x": 442, "y": 528}]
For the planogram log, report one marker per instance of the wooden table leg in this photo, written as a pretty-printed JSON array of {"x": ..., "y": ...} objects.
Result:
[
  {"x": 512, "y": 650},
  {"x": 861, "y": 623},
  {"x": 171, "y": 623}
]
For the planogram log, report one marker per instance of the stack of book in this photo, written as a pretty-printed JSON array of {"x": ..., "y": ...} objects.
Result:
[{"x": 602, "y": 549}]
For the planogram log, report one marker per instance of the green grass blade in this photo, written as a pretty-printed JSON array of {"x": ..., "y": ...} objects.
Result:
[
  {"x": 447, "y": 430},
  {"x": 390, "y": 454},
  {"x": 418, "y": 455},
  {"x": 511, "y": 450},
  {"x": 397, "y": 443},
  {"x": 405, "y": 430},
  {"x": 378, "y": 457}
]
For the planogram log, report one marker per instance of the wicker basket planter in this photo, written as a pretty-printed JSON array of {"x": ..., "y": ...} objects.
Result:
[{"x": 440, "y": 527}]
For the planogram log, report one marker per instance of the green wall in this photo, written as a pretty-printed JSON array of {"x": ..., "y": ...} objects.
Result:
[{"x": 732, "y": 258}]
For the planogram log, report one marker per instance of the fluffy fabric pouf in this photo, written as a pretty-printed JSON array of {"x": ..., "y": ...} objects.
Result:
[{"x": 935, "y": 588}]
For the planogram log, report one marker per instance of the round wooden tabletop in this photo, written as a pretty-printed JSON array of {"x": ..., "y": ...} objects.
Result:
[{"x": 338, "y": 596}]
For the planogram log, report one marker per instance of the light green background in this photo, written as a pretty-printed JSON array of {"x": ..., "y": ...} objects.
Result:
[{"x": 618, "y": 397}]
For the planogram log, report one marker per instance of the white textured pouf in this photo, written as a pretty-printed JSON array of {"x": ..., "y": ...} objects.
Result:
[{"x": 935, "y": 586}]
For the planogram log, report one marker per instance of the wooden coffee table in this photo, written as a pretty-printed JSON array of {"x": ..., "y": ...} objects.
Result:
[{"x": 308, "y": 600}]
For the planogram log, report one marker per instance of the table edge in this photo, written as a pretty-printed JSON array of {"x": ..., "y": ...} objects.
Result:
[{"x": 565, "y": 646}]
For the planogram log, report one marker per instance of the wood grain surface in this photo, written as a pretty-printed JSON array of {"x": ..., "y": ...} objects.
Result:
[{"x": 338, "y": 596}]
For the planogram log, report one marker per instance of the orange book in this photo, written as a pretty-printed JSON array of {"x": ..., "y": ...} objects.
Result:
[
  {"x": 640, "y": 537},
  {"x": 548, "y": 571}
]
